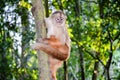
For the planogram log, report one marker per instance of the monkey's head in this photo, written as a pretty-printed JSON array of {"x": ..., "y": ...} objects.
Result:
[{"x": 58, "y": 18}]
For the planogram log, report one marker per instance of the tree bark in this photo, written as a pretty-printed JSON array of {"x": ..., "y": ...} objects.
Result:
[
  {"x": 65, "y": 71},
  {"x": 38, "y": 13},
  {"x": 110, "y": 56},
  {"x": 46, "y": 8},
  {"x": 82, "y": 64},
  {"x": 96, "y": 66}
]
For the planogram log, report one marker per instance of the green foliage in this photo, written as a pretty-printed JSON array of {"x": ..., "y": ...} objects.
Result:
[
  {"x": 94, "y": 27},
  {"x": 25, "y": 4},
  {"x": 16, "y": 58}
]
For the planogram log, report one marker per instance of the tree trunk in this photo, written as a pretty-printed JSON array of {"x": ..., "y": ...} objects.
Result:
[
  {"x": 95, "y": 72},
  {"x": 65, "y": 71},
  {"x": 46, "y": 8},
  {"x": 38, "y": 13},
  {"x": 82, "y": 65},
  {"x": 110, "y": 56}
]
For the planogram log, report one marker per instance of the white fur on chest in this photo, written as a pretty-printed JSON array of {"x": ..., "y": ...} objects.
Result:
[{"x": 56, "y": 30}]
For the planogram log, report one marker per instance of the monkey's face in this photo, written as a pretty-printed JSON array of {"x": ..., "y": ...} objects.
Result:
[{"x": 58, "y": 19}]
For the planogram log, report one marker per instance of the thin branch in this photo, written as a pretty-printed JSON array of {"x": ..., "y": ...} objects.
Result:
[
  {"x": 110, "y": 37},
  {"x": 90, "y": 53},
  {"x": 95, "y": 57},
  {"x": 110, "y": 56}
]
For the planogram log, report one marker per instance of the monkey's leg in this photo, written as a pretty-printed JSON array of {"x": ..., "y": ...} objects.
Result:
[
  {"x": 61, "y": 53},
  {"x": 53, "y": 74}
]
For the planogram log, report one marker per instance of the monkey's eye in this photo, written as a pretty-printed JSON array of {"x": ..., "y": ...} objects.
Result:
[{"x": 59, "y": 20}]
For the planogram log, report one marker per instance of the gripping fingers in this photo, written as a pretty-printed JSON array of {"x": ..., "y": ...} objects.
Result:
[{"x": 35, "y": 46}]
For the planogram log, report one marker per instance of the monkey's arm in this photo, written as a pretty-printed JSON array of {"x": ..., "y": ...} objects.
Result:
[{"x": 62, "y": 53}]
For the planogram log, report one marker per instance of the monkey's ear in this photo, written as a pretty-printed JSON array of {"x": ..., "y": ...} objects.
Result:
[{"x": 65, "y": 17}]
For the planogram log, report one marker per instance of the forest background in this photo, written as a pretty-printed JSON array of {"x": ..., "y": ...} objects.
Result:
[{"x": 94, "y": 28}]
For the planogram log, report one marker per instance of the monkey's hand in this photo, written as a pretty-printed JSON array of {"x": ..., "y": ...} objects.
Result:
[
  {"x": 40, "y": 40},
  {"x": 38, "y": 45},
  {"x": 35, "y": 46},
  {"x": 43, "y": 40}
]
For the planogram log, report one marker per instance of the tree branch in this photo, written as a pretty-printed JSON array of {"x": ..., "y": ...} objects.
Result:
[
  {"x": 95, "y": 57},
  {"x": 110, "y": 56}
]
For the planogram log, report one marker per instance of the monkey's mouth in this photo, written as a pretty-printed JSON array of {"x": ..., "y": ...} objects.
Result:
[{"x": 59, "y": 22}]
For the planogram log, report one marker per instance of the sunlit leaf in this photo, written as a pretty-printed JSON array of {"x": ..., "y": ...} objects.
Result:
[
  {"x": 29, "y": 64},
  {"x": 25, "y": 4},
  {"x": 115, "y": 42}
]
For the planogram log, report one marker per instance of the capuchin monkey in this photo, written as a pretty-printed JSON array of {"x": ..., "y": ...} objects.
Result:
[{"x": 57, "y": 43}]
